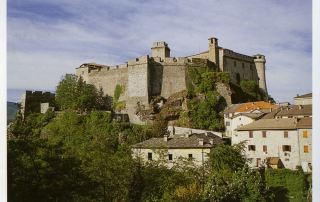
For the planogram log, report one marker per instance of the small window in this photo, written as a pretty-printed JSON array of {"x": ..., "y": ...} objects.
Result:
[
  {"x": 285, "y": 134},
  {"x": 250, "y": 134},
  {"x": 242, "y": 65},
  {"x": 239, "y": 118},
  {"x": 305, "y": 134},
  {"x": 190, "y": 156},
  {"x": 264, "y": 134},
  {"x": 265, "y": 148},
  {"x": 235, "y": 63},
  {"x": 258, "y": 162},
  {"x": 227, "y": 123},
  {"x": 149, "y": 156},
  {"x": 170, "y": 157},
  {"x": 306, "y": 149},
  {"x": 252, "y": 147},
  {"x": 286, "y": 148},
  {"x": 82, "y": 72}
]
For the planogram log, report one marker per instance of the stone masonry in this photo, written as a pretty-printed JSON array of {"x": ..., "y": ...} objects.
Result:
[{"x": 163, "y": 75}]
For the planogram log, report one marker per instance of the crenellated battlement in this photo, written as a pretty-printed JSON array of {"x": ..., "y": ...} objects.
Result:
[
  {"x": 139, "y": 60},
  {"x": 171, "y": 60}
]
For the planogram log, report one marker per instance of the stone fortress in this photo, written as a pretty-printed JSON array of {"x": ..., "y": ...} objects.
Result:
[{"x": 163, "y": 75}]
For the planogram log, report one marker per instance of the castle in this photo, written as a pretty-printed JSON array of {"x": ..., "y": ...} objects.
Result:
[{"x": 163, "y": 75}]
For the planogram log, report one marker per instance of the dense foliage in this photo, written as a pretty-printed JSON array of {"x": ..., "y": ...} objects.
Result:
[
  {"x": 248, "y": 91},
  {"x": 205, "y": 102},
  {"x": 118, "y": 105},
  {"x": 73, "y": 93},
  {"x": 288, "y": 185},
  {"x": 73, "y": 157}
]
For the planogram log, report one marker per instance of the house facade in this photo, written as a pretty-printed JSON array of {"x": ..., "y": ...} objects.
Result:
[
  {"x": 174, "y": 149},
  {"x": 305, "y": 99},
  {"x": 287, "y": 139}
]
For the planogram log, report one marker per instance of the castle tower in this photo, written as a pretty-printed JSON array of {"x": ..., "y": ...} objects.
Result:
[
  {"x": 214, "y": 51},
  {"x": 260, "y": 62},
  {"x": 160, "y": 49}
]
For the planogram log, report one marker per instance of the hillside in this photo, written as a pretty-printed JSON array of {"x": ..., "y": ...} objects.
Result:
[{"x": 12, "y": 108}]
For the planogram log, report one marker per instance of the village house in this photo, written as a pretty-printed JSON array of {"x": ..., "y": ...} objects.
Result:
[
  {"x": 290, "y": 111},
  {"x": 242, "y": 114},
  {"x": 173, "y": 149},
  {"x": 305, "y": 99},
  {"x": 282, "y": 142}
]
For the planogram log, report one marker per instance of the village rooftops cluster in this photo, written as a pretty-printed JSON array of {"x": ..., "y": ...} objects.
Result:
[
  {"x": 290, "y": 112},
  {"x": 187, "y": 140}
]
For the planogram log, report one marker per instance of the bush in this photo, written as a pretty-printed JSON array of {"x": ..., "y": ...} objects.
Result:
[{"x": 287, "y": 185}]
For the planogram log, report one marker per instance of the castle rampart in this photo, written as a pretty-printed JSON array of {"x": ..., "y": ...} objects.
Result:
[{"x": 162, "y": 75}]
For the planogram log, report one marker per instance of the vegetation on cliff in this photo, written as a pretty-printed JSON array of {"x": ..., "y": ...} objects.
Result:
[
  {"x": 204, "y": 101},
  {"x": 248, "y": 91},
  {"x": 116, "y": 104}
]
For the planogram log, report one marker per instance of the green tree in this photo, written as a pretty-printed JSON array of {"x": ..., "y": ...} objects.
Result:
[
  {"x": 73, "y": 93},
  {"x": 230, "y": 178},
  {"x": 159, "y": 127},
  {"x": 204, "y": 113},
  {"x": 66, "y": 92}
]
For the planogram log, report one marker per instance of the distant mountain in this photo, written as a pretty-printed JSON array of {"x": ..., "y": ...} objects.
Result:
[{"x": 12, "y": 108}]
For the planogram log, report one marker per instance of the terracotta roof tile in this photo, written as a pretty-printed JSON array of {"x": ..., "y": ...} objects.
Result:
[{"x": 256, "y": 105}]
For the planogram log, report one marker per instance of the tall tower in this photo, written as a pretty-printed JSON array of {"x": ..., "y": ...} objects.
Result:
[
  {"x": 160, "y": 49},
  {"x": 214, "y": 51},
  {"x": 260, "y": 62}
]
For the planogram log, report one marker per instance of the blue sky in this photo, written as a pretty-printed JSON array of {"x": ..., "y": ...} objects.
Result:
[{"x": 47, "y": 39}]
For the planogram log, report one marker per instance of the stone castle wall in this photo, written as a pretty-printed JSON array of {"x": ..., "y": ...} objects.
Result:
[
  {"x": 106, "y": 78},
  {"x": 31, "y": 101},
  {"x": 162, "y": 75}
]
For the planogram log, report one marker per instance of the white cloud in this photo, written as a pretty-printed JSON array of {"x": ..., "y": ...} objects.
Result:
[{"x": 112, "y": 32}]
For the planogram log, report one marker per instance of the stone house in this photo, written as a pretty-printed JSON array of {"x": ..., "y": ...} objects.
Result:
[
  {"x": 290, "y": 111},
  {"x": 305, "y": 99},
  {"x": 174, "y": 149},
  {"x": 242, "y": 114},
  {"x": 286, "y": 142}
]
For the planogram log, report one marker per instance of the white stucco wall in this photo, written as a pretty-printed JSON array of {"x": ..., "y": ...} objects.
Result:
[
  {"x": 162, "y": 155},
  {"x": 306, "y": 157},
  {"x": 274, "y": 141},
  {"x": 303, "y": 101},
  {"x": 235, "y": 123}
]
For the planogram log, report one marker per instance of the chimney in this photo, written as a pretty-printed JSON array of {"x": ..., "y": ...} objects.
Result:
[
  {"x": 200, "y": 141},
  {"x": 165, "y": 138},
  {"x": 297, "y": 95}
]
